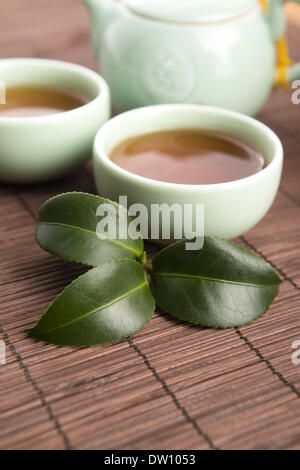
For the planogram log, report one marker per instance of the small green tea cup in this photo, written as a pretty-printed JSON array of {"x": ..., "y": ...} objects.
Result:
[
  {"x": 34, "y": 149},
  {"x": 230, "y": 208}
]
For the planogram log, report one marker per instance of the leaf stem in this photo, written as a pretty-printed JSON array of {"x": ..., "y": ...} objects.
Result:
[{"x": 143, "y": 259}]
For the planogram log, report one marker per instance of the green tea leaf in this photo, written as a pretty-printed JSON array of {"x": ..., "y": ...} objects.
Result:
[
  {"x": 105, "y": 304},
  {"x": 223, "y": 285},
  {"x": 69, "y": 227}
]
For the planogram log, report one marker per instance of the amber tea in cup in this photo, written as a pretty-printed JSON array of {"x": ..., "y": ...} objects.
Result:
[
  {"x": 32, "y": 101},
  {"x": 188, "y": 156}
]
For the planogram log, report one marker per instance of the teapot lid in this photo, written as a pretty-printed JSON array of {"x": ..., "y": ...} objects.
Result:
[{"x": 190, "y": 11}]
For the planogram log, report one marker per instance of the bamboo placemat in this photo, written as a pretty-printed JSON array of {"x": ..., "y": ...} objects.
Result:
[{"x": 171, "y": 386}]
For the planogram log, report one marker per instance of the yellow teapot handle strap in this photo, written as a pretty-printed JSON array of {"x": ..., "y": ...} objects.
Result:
[
  {"x": 265, "y": 5},
  {"x": 284, "y": 62}
]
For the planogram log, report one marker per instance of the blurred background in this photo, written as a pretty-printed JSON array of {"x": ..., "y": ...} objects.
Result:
[{"x": 54, "y": 29}]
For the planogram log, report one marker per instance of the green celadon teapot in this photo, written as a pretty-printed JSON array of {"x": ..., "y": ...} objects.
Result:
[{"x": 224, "y": 53}]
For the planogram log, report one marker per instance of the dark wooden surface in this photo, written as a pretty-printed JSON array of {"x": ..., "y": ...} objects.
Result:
[{"x": 171, "y": 386}]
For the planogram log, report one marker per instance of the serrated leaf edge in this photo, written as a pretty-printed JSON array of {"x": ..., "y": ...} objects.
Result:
[
  {"x": 96, "y": 267},
  {"x": 205, "y": 325},
  {"x": 95, "y": 196}
]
